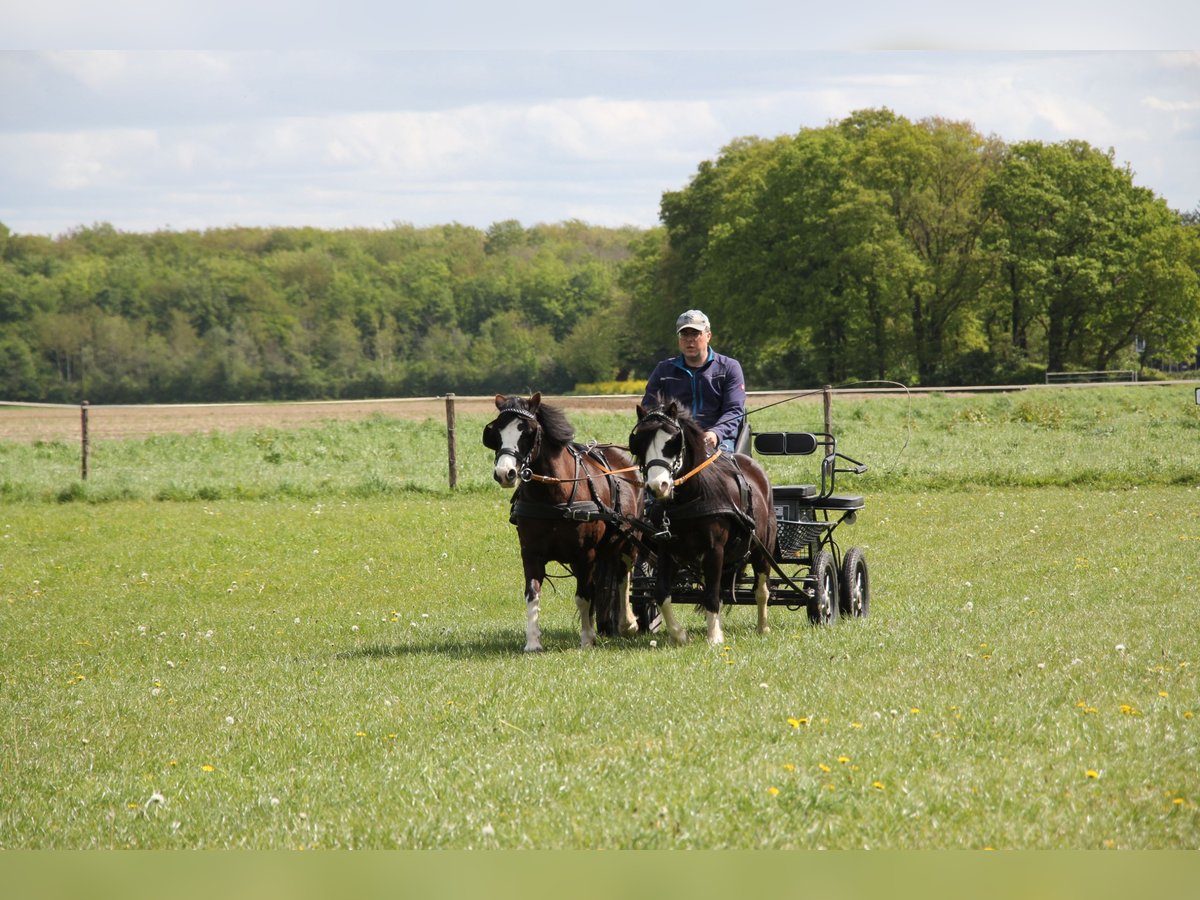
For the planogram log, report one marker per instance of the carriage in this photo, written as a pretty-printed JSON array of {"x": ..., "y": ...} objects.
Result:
[
  {"x": 809, "y": 569},
  {"x": 582, "y": 506}
]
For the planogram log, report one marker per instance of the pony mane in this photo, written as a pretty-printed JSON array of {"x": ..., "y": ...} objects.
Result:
[{"x": 556, "y": 430}]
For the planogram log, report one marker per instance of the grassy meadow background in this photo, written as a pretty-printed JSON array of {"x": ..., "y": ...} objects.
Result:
[{"x": 302, "y": 639}]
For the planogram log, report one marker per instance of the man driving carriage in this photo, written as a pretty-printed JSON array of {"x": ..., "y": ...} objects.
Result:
[{"x": 711, "y": 385}]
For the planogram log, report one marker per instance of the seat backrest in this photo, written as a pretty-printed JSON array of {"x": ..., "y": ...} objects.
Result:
[
  {"x": 785, "y": 443},
  {"x": 741, "y": 443}
]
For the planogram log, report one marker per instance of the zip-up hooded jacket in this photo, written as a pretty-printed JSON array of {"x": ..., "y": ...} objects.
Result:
[{"x": 715, "y": 393}]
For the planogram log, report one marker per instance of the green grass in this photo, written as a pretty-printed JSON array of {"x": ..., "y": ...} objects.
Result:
[
  {"x": 1105, "y": 437},
  {"x": 322, "y": 649},
  {"x": 369, "y": 657}
]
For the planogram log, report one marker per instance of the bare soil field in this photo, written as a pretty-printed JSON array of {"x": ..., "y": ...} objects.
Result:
[
  {"x": 48, "y": 422},
  {"x": 63, "y": 423}
]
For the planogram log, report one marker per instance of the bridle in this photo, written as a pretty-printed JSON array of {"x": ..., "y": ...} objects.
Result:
[
  {"x": 523, "y": 460},
  {"x": 674, "y": 466}
]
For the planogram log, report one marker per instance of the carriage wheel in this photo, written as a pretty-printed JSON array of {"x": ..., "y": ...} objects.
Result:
[
  {"x": 823, "y": 604},
  {"x": 855, "y": 585}
]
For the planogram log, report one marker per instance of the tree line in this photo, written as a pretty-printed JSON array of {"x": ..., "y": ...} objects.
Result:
[{"x": 871, "y": 248}]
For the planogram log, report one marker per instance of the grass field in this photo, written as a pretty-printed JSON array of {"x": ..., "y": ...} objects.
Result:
[{"x": 301, "y": 639}]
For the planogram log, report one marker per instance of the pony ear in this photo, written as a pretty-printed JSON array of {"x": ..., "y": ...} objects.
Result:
[
  {"x": 672, "y": 409},
  {"x": 491, "y": 437},
  {"x": 535, "y": 401},
  {"x": 500, "y": 398},
  {"x": 641, "y": 412}
]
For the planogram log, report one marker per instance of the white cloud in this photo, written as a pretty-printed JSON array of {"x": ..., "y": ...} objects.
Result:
[
  {"x": 1171, "y": 105},
  {"x": 151, "y": 139}
]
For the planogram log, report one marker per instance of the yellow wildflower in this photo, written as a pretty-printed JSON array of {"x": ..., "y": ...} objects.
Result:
[
  {"x": 1092, "y": 773},
  {"x": 773, "y": 791}
]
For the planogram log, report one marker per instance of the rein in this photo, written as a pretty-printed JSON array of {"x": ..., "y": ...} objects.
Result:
[
  {"x": 704, "y": 465},
  {"x": 527, "y": 474}
]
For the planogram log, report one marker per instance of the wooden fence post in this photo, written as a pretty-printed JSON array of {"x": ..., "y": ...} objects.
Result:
[
  {"x": 827, "y": 393},
  {"x": 83, "y": 448},
  {"x": 451, "y": 442}
]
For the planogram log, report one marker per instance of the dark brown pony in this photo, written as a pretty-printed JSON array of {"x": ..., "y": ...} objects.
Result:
[
  {"x": 568, "y": 508},
  {"x": 718, "y": 513}
]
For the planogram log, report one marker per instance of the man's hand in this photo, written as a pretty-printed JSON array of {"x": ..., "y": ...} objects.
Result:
[{"x": 711, "y": 440}]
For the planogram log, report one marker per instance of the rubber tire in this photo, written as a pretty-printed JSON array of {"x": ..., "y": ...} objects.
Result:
[
  {"x": 823, "y": 604},
  {"x": 854, "y": 593}
]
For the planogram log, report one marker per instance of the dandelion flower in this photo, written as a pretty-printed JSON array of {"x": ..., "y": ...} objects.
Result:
[
  {"x": 208, "y": 768},
  {"x": 843, "y": 759},
  {"x": 878, "y": 785},
  {"x": 773, "y": 791},
  {"x": 789, "y": 767},
  {"x": 823, "y": 767},
  {"x": 1092, "y": 773},
  {"x": 1163, "y": 694},
  {"x": 1178, "y": 801},
  {"x": 796, "y": 723}
]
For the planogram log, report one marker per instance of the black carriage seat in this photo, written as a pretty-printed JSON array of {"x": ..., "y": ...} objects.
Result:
[{"x": 803, "y": 443}]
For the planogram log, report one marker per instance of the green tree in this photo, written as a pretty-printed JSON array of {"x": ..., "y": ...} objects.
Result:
[{"x": 1089, "y": 257}]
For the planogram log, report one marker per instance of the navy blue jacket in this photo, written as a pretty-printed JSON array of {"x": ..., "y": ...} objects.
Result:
[{"x": 715, "y": 393}]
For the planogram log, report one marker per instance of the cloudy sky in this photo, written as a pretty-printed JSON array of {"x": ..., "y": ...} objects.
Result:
[{"x": 170, "y": 114}]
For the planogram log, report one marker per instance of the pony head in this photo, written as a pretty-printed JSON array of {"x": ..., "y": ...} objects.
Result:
[
  {"x": 662, "y": 442},
  {"x": 520, "y": 433}
]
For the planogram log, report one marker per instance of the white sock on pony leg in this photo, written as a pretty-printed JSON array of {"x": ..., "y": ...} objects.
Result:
[
  {"x": 715, "y": 634},
  {"x": 533, "y": 633},
  {"x": 677, "y": 632},
  {"x": 587, "y": 630},
  {"x": 762, "y": 594}
]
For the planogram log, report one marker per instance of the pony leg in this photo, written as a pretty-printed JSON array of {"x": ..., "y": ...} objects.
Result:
[
  {"x": 713, "y": 564},
  {"x": 627, "y": 622},
  {"x": 587, "y": 629},
  {"x": 715, "y": 634},
  {"x": 761, "y": 594},
  {"x": 533, "y": 604},
  {"x": 677, "y": 631}
]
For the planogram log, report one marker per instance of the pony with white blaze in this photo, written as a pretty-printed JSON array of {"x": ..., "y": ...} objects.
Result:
[
  {"x": 570, "y": 506},
  {"x": 716, "y": 514}
]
